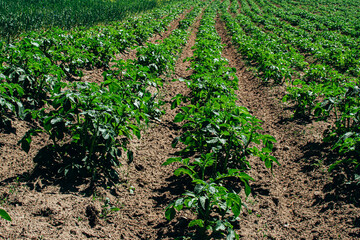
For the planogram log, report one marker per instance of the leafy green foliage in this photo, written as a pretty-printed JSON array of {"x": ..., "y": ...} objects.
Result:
[
  {"x": 10, "y": 103},
  {"x": 20, "y": 16},
  {"x": 91, "y": 124},
  {"x": 206, "y": 199},
  {"x": 218, "y": 136},
  {"x": 327, "y": 89},
  {"x": 4, "y": 215},
  {"x": 92, "y": 118},
  {"x": 345, "y": 135}
]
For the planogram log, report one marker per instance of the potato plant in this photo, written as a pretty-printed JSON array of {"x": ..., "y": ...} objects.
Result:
[
  {"x": 10, "y": 103},
  {"x": 22, "y": 16},
  {"x": 325, "y": 51},
  {"x": 90, "y": 124},
  {"x": 218, "y": 136}
]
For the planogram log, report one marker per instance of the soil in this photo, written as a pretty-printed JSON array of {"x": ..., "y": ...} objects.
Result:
[{"x": 297, "y": 200}]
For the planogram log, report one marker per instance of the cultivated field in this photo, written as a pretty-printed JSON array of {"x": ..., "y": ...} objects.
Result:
[{"x": 189, "y": 120}]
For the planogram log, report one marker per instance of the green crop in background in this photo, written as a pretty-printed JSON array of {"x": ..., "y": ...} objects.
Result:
[{"x": 17, "y": 16}]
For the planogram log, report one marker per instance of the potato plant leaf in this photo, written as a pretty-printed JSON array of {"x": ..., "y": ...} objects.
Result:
[{"x": 4, "y": 215}]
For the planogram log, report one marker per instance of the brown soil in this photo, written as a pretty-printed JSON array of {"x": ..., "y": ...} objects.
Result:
[{"x": 300, "y": 200}]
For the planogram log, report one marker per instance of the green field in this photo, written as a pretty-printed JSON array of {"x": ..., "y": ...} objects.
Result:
[
  {"x": 18, "y": 16},
  {"x": 93, "y": 89}
]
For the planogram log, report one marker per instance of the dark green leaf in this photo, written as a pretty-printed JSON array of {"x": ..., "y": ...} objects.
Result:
[
  {"x": 175, "y": 142},
  {"x": 170, "y": 213},
  {"x": 179, "y": 117},
  {"x": 130, "y": 156},
  {"x": 5, "y": 215}
]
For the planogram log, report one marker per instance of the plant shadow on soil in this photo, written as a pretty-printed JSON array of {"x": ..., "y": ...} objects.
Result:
[
  {"x": 341, "y": 188},
  {"x": 6, "y": 127},
  {"x": 47, "y": 166},
  {"x": 299, "y": 120},
  {"x": 169, "y": 125},
  {"x": 177, "y": 185}
]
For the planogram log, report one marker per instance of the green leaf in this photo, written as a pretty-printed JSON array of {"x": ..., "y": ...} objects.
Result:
[
  {"x": 136, "y": 131},
  {"x": 231, "y": 234},
  {"x": 196, "y": 222},
  {"x": 247, "y": 189},
  {"x": 26, "y": 140},
  {"x": 114, "y": 209},
  {"x": 245, "y": 176},
  {"x": 179, "y": 203},
  {"x": 203, "y": 201},
  {"x": 268, "y": 162},
  {"x": 181, "y": 171},
  {"x": 174, "y": 104},
  {"x": 266, "y": 150},
  {"x": 56, "y": 120},
  {"x": 219, "y": 226},
  {"x": 179, "y": 117},
  {"x": 171, "y": 160},
  {"x": 333, "y": 166},
  {"x": 213, "y": 140},
  {"x": 272, "y": 158},
  {"x": 25, "y": 145},
  {"x": 170, "y": 213},
  {"x": 5, "y": 215}
]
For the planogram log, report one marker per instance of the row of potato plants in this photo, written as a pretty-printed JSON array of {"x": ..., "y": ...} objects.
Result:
[
  {"x": 321, "y": 92},
  {"x": 274, "y": 60},
  {"x": 348, "y": 25},
  {"x": 39, "y": 60},
  {"x": 324, "y": 46},
  {"x": 34, "y": 66},
  {"x": 325, "y": 94},
  {"x": 346, "y": 12},
  {"x": 23, "y": 15},
  {"x": 218, "y": 138},
  {"x": 90, "y": 124}
]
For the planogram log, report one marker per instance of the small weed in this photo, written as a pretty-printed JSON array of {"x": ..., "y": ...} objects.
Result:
[{"x": 107, "y": 208}]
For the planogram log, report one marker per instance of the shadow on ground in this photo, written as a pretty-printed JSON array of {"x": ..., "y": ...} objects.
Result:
[{"x": 54, "y": 170}]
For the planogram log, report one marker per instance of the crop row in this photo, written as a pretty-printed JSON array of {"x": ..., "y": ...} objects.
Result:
[
  {"x": 322, "y": 91},
  {"x": 347, "y": 11},
  {"x": 36, "y": 64},
  {"x": 218, "y": 137},
  {"x": 328, "y": 47},
  {"x": 18, "y": 16},
  {"x": 90, "y": 124},
  {"x": 327, "y": 94},
  {"x": 348, "y": 25},
  {"x": 275, "y": 60}
]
